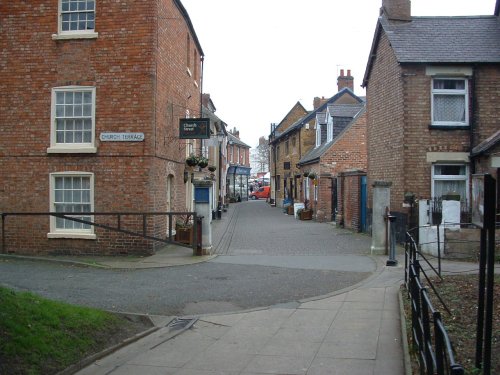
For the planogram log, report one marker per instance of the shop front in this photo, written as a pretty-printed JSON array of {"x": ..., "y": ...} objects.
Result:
[{"x": 237, "y": 183}]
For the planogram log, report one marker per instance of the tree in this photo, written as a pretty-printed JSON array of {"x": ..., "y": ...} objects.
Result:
[{"x": 260, "y": 156}]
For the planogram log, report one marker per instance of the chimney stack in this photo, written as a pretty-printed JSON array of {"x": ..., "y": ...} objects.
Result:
[
  {"x": 397, "y": 10},
  {"x": 345, "y": 80},
  {"x": 318, "y": 102}
]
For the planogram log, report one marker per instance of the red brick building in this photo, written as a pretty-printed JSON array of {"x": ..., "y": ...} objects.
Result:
[
  {"x": 340, "y": 148},
  {"x": 433, "y": 87},
  {"x": 238, "y": 168},
  {"x": 92, "y": 94}
]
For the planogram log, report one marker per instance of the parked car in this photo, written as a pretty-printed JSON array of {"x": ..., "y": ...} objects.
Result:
[{"x": 263, "y": 192}]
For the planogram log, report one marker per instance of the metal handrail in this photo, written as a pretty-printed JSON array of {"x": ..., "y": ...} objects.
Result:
[
  {"x": 76, "y": 217},
  {"x": 435, "y": 351}
]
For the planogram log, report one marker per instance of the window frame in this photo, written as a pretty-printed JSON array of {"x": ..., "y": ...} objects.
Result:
[
  {"x": 465, "y": 177},
  {"x": 463, "y": 93},
  {"x": 329, "y": 129},
  {"x": 55, "y": 232},
  {"x": 73, "y": 34},
  {"x": 84, "y": 147},
  {"x": 318, "y": 134}
]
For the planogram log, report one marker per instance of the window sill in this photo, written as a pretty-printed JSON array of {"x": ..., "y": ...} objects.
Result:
[
  {"x": 72, "y": 235},
  {"x": 449, "y": 127},
  {"x": 71, "y": 150},
  {"x": 68, "y": 36}
]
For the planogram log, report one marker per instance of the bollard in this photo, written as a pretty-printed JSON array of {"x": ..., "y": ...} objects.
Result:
[{"x": 392, "y": 248}]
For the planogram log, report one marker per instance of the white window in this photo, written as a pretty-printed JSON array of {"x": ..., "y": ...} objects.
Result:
[
  {"x": 318, "y": 134},
  {"x": 71, "y": 192},
  {"x": 306, "y": 188},
  {"x": 76, "y": 19},
  {"x": 73, "y": 120},
  {"x": 450, "y": 105},
  {"x": 329, "y": 130},
  {"x": 450, "y": 178}
]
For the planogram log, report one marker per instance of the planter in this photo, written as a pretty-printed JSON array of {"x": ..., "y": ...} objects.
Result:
[
  {"x": 184, "y": 235},
  {"x": 192, "y": 161},
  {"x": 305, "y": 215},
  {"x": 202, "y": 164},
  {"x": 212, "y": 168},
  {"x": 290, "y": 210}
]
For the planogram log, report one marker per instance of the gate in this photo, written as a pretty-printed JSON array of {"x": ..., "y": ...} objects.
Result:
[
  {"x": 334, "y": 199},
  {"x": 363, "y": 201}
]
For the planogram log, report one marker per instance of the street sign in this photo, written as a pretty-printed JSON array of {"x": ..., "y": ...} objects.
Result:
[
  {"x": 194, "y": 128},
  {"x": 121, "y": 137}
]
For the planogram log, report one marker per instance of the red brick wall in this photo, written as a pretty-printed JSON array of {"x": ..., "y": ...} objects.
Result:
[
  {"x": 385, "y": 107},
  {"x": 138, "y": 66},
  {"x": 349, "y": 152}
]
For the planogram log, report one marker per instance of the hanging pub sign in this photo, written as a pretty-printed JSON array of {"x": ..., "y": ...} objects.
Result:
[{"x": 194, "y": 128}]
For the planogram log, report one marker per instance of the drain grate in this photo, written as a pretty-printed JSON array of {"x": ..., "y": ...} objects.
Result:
[{"x": 181, "y": 323}]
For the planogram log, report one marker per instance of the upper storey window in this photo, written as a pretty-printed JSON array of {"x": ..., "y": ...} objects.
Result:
[
  {"x": 450, "y": 102},
  {"x": 76, "y": 19},
  {"x": 77, "y": 15},
  {"x": 73, "y": 120}
]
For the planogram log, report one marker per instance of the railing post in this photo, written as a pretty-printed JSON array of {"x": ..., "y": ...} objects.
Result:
[
  {"x": 3, "y": 233},
  {"x": 438, "y": 337}
]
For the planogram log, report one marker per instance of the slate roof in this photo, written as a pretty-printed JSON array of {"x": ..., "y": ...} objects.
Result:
[
  {"x": 344, "y": 110},
  {"x": 340, "y": 124},
  {"x": 312, "y": 115},
  {"x": 321, "y": 117},
  {"x": 487, "y": 144},
  {"x": 445, "y": 40},
  {"x": 232, "y": 138}
]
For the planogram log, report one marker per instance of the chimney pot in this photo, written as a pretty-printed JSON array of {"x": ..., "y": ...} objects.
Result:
[{"x": 345, "y": 81}]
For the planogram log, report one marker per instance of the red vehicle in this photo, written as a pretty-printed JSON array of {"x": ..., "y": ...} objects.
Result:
[{"x": 263, "y": 192}]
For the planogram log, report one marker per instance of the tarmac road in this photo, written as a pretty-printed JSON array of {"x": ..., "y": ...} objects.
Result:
[{"x": 265, "y": 258}]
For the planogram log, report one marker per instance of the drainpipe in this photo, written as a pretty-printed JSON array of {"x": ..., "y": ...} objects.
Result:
[
  {"x": 201, "y": 99},
  {"x": 472, "y": 120}
]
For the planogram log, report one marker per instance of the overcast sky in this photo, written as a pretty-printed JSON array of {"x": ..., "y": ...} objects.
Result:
[{"x": 263, "y": 56}]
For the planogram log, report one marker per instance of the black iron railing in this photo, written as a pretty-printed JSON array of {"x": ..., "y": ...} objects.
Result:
[
  {"x": 144, "y": 232},
  {"x": 431, "y": 340}
]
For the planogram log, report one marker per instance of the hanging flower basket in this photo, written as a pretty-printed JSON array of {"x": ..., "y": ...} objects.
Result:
[
  {"x": 192, "y": 160},
  {"x": 312, "y": 175},
  {"x": 306, "y": 174},
  {"x": 212, "y": 168},
  {"x": 202, "y": 162}
]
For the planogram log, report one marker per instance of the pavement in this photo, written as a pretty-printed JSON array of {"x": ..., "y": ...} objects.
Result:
[{"x": 354, "y": 331}]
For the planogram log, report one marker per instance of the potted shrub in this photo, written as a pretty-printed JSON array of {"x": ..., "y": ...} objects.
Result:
[
  {"x": 306, "y": 174},
  {"x": 202, "y": 162},
  {"x": 192, "y": 160},
  {"x": 184, "y": 231},
  {"x": 305, "y": 214},
  {"x": 312, "y": 175},
  {"x": 212, "y": 168}
]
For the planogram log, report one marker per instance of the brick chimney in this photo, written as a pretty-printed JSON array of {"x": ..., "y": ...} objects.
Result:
[
  {"x": 345, "y": 80},
  {"x": 318, "y": 102},
  {"x": 236, "y": 133},
  {"x": 397, "y": 10}
]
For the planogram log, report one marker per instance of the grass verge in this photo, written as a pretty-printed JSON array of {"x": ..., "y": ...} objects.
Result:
[{"x": 39, "y": 336}]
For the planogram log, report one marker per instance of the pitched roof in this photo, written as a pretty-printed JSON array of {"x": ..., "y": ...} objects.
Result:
[
  {"x": 344, "y": 110},
  {"x": 232, "y": 138},
  {"x": 448, "y": 40},
  {"x": 312, "y": 115},
  {"x": 487, "y": 144},
  {"x": 340, "y": 125}
]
